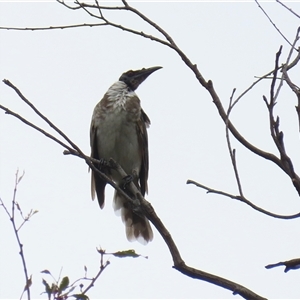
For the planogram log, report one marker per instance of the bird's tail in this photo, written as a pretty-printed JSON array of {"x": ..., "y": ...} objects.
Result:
[{"x": 137, "y": 227}]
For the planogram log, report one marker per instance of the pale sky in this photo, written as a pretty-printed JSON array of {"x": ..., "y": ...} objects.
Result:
[{"x": 66, "y": 72}]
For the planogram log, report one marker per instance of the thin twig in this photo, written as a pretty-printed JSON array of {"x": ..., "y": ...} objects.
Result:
[
  {"x": 16, "y": 232},
  {"x": 278, "y": 30},
  {"x": 293, "y": 47},
  {"x": 43, "y": 117},
  {"x": 100, "y": 11},
  {"x": 232, "y": 151},
  {"x": 53, "y": 27},
  {"x": 77, "y": 152},
  {"x": 206, "y": 84},
  {"x": 178, "y": 262},
  {"x": 91, "y": 6},
  {"x": 249, "y": 88},
  {"x": 289, "y": 9},
  {"x": 286, "y": 77},
  {"x": 102, "y": 268},
  {"x": 287, "y": 64},
  {"x": 88, "y": 12},
  {"x": 10, "y": 112},
  {"x": 244, "y": 200}
]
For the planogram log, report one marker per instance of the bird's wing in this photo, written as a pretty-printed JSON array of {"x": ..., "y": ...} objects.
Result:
[
  {"x": 97, "y": 184},
  {"x": 142, "y": 125}
]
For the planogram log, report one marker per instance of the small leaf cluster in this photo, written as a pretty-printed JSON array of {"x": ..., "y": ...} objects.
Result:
[{"x": 61, "y": 290}]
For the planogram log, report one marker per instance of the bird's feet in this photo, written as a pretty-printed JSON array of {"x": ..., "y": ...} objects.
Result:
[
  {"x": 126, "y": 180},
  {"x": 103, "y": 162}
]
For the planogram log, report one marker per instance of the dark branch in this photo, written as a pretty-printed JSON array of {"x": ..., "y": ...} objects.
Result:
[
  {"x": 232, "y": 151},
  {"x": 277, "y": 29},
  {"x": 277, "y": 134},
  {"x": 289, "y": 9},
  {"x": 292, "y": 264},
  {"x": 142, "y": 206},
  {"x": 10, "y": 112},
  {"x": 74, "y": 151},
  {"x": 145, "y": 206},
  {"x": 179, "y": 264},
  {"x": 43, "y": 117},
  {"x": 244, "y": 200},
  {"x": 12, "y": 218},
  {"x": 53, "y": 27}
]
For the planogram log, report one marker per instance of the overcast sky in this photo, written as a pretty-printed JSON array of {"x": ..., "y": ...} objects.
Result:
[{"x": 66, "y": 72}]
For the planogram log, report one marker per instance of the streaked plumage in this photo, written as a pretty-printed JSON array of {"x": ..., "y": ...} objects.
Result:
[{"x": 118, "y": 131}]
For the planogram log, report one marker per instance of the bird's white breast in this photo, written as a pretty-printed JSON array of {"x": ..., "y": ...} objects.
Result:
[
  {"x": 118, "y": 94},
  {"x": 116, "y": 131}
]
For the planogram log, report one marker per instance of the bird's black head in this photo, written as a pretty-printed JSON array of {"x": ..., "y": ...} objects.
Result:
[{"x": 134, "y": 78}]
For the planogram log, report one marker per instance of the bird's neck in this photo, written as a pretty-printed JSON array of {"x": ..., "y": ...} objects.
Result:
[{"x": 118, "y": 94}]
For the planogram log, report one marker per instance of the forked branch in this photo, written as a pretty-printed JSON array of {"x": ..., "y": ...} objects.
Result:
[
  {"x": 12, "y": 216},
  {"x": 283, "y": 162},
  {"x": 140, "y": 205}
]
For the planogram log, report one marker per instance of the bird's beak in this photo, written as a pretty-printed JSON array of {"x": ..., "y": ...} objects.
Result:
[
  {"x": 142, "y": 74},
  {"x": 134, "y": 78}
]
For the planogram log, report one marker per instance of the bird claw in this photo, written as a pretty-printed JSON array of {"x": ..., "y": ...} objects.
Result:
[
  {"x": 126, "y": 180},
  {"x": 103, "y": 162}
]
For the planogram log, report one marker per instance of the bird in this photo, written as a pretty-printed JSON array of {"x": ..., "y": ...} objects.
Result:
[
  {"x": 292, "y": 264},
  {"x": 119, "y": 131}
]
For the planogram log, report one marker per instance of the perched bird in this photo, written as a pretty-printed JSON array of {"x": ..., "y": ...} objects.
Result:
[{"x": 118, "y": 131}]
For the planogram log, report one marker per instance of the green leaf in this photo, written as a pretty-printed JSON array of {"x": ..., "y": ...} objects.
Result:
[
  {"x": 126, "y": 253},
  {"x": 46, "y": 272},
  {"x": 64, "y": 284},
  {"x": 47, "y": 288}
]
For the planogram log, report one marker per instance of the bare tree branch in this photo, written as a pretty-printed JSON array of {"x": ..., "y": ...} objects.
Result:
[
  {"x": 289, "y": 9},
  {"x": 74, "y": 151},
  {"x": 287, "y": 64},
  {"x": 53, "y": 27},
  {"x": 277, "y": 134},
  {"x": 244, "y": 200},
  {"x": 43, "y": 117},
  {"x": 292, "y": 264},
  {"x": 10, "y": 112},
  {"x": 102, "y": 268},
  {"x": 273, "y": 23},
  {"x": 140, "y": 205},
  {"x": 208, "y": 85},
  {"x": 286, "y": 77},
  {"x": 145, "y": 207},
  {"x": 11, "y": 215},
  {"x": 232, "y": 151}
]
